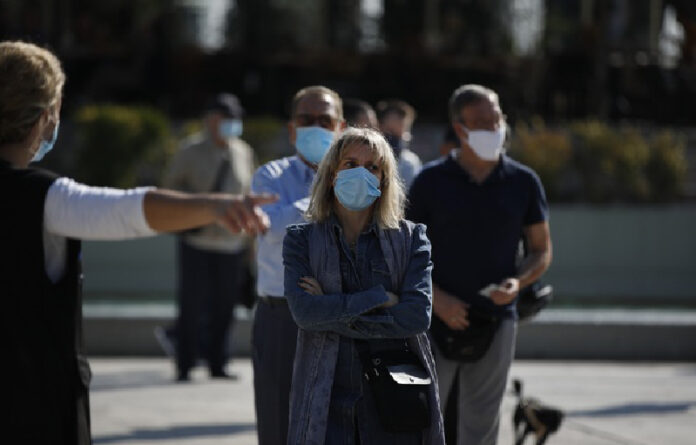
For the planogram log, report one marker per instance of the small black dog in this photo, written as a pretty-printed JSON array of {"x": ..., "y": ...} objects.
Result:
[{"x": 532, "y": 416}]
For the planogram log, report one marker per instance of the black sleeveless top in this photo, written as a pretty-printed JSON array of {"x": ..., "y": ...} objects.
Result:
[{"x": 40, "y": 325}]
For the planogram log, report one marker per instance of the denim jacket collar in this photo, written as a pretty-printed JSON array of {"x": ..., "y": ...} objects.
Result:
[{"x": 334, "y": 223}]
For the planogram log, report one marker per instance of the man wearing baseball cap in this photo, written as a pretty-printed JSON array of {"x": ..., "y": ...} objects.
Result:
[{"x": 211, "y": 261}]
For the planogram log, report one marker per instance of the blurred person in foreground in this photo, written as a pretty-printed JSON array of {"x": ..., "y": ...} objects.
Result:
[
  {"x": 477, "y": 204},
  {"x": 47, "y": 375},
  {"x": 357, "y": 279},
  {"x": 359, "y": 113},
  {"x": 395, "y": 122},
  {"x": 212, "y": 262},
  {"x": 316, "y": 117}
]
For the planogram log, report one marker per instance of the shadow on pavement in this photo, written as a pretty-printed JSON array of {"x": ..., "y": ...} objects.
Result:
[
  {"x": 634, "y": 408},
  {"x": 177, "y": 432}
]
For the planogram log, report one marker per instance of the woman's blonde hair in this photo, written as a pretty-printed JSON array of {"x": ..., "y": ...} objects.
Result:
[
  {"x": 31, "y": 81},
  {"x": 389, "y": 207}
]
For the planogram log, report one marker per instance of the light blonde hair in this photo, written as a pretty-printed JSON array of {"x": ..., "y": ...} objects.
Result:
[
  {"x": 317, "y": 90},
  {"x": 31, "y": 81},
  {"x": 389, "y": 208}
]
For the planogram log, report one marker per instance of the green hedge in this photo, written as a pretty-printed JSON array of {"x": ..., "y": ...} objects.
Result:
[
  {"x": 121, "y": 146},
  {"x": 263, "y": 133},
  {"x": 589, "y": 161},
  {"x": 584, "y": 161}
]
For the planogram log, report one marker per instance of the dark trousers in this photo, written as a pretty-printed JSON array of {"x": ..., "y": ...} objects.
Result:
[
  {"x": 274, "y": 339},
  {"x": 30, "y": 418},
  {"x": 209, "y": 285}
]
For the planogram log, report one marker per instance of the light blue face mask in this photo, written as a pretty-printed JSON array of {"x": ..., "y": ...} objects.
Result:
[
  {"x": 231, "y": 128},
  {"x": 356, "y": 188},
  {"x": 46, "y": 146},
  {"x": 313, "y": 142}
]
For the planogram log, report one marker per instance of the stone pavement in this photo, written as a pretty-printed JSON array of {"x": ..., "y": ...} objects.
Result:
[{"x": 135, "y": 402}]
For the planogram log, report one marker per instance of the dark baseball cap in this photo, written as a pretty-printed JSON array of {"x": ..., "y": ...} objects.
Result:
[{"x": 227, "y": 104}]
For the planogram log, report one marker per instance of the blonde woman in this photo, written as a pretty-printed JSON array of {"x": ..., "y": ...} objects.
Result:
[
  {"x": 357, "y": 279},
  {"x": 43, "y": 218}
]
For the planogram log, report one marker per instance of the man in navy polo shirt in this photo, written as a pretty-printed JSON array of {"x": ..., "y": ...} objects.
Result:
[{"x": 478, "y": 203}]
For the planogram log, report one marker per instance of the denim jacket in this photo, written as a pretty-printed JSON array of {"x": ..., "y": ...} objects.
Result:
[{"x": 311, "y": 250}]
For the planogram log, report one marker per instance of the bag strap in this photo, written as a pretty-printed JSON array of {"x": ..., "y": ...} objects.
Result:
[
  {"x": 363, "y": 348},
  {"x": 221, "y": 175},
  {"x": 371, "y": 349}
]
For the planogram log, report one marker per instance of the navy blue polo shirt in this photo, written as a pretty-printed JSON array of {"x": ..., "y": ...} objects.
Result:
[{"x": 474, "y": 228}]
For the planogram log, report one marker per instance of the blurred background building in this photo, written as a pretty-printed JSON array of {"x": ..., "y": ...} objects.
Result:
[
  {"x": 616, "y": 61},
  {"x": 558, "y": 59}
]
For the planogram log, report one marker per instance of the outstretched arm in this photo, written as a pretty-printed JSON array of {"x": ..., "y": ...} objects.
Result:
[
  {"x": 76, "y": 210},
  {"x": 168, "y": 211},
  {"x": 313, "y": 310}
]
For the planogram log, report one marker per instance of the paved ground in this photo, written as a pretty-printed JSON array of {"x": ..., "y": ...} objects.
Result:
[{"x": 135, "y": 402}]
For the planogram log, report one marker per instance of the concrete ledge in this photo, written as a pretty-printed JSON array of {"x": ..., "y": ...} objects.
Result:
[
  {"x": 596, "y": 334},
  {"x": 609, "y": 334},
  {"x": 118, "y": 329}
]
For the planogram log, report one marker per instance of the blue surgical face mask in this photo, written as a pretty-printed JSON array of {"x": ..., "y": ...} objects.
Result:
[
  {"x": 313, "y": 142},
  {"x": 231, "y": 128},
  {"x": 46, "y": 146},
  {"x": 356, "y": 188}
]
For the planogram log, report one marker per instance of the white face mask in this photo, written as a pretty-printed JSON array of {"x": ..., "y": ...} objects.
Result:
[{"x": 487, "y": 144}]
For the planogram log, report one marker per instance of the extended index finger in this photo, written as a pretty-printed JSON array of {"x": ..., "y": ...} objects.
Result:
[{"x": 256, "y": 221}]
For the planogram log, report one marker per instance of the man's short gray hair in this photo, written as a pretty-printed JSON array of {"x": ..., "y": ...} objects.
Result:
[
  {"x": 317, "y": 90},
  {"x": 469, "y": 94}
]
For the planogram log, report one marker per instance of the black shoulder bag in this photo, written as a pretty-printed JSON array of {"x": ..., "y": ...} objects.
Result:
[
  {"x": 533, "y": 299},
  {"x": 467, "y": 345},
  {"x": 399, "y": 384}
]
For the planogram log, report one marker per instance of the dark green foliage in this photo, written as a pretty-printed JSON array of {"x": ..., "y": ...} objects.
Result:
[
  {"x": 121, "y": 146},
  {"x": 590, "y": 161}
]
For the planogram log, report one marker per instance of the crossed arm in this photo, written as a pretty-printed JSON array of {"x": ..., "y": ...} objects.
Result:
[{"x": 370, "y": 313}]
